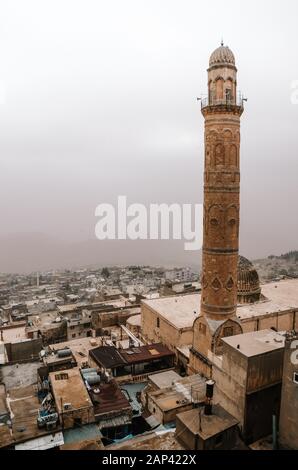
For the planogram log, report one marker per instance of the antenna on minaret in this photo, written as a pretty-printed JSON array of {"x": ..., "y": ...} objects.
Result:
[{"x": 222, "y": 42}]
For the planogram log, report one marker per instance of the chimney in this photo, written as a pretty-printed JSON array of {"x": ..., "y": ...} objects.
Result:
[{"x": 209, "y": 395}]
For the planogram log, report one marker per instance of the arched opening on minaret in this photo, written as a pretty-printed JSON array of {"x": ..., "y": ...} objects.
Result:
[{"x": 219, "y": 88}]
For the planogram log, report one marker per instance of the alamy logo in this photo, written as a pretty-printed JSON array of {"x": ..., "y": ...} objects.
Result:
[
  {"x": 294, "y": 355},
  {"x": 157, "y": 222},
  {"x": 294, "y": 94}
]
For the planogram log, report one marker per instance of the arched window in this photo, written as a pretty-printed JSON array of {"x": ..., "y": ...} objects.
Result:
[
  {"x": 219, "y": 88},
  {"x": 229, "y": 90}
]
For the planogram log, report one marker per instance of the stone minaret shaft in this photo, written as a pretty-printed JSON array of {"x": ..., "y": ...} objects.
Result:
[{"x": 221, "y": 110}]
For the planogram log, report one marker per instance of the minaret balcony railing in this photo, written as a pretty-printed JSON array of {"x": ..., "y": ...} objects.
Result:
[{"x": 227, "y": 101}]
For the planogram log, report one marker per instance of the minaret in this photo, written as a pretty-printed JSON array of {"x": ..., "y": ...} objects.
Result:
[{"x": 222, "y": 110}]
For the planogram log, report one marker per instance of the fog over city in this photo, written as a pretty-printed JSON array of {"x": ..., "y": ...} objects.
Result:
[{"x": 99, "y": 99}]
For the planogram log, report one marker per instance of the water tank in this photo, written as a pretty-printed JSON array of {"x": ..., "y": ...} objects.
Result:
[
  {"x": 88, "y": 370},
  {"x": 92, "y": 379},
  {"x": 64, "y": 353},
  {"x": 209, "y": 388}
]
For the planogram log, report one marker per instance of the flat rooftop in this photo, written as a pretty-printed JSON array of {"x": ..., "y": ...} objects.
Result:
[
  {"x": 135, "y": 320},
  {"x": 181, "y": 393},
  {"x": 79, "y": 347},
  {"x": 24, "y": 405},
  {"x": 164, "y": 379},
  {"x": 207, "y": 426},
  {"x": 68, "y": 387},
  {"x": 256, "y": 342},
  {"x": 177, "y": 310},
  {"x": 158, "y": 440},
  {"x": 6, "y": 439},
  {"x": 19, "y": 375},
  {"x": 71, "y": 307},
  {"x": 281, "y": 296},
  {"x": 45, "y": 320}
]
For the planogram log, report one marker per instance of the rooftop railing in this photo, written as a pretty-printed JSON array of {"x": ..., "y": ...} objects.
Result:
[{"x": 226, "y": 101}]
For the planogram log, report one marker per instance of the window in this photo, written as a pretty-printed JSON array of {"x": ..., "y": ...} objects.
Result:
[
  {"x": 295, "y": 378},
  {"x": 219, "y": 88},
  {"x": 157, "y": 322},
  {"x": 228, "y": 331},
  {"x": 73, "y": 335},
  {"x": 61, "y": 376}
]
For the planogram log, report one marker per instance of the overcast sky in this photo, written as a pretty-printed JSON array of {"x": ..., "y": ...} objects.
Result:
[{"x": 98, "y": 99}]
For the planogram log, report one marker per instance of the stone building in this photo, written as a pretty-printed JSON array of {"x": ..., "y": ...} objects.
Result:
[
  {"x": 196, "y": 430},
  {"x": 132, "y": 364},
  {"x": 179, "y": 324},
  {"x": 104, "y": 318},
  {"x": 288, "y": 424},
  {"x": 170, "y": 320},
  {"x": 72, "y": 400},
  {"x": 248, "y": 379},
  {"x": 79, "y": 327},
  {"x": 134, "y": 325},
  {"x": 23, "y": 350},
  {"x": 181, "y": 395}
]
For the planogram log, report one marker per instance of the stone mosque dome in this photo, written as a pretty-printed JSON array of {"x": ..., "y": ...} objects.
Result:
[
  {"x": 248, "y": 282},
  {"x": 222, "y": 55}
]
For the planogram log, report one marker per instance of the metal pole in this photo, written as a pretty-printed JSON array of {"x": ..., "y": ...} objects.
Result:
[
  {"x": 62, "y": 418},
  {"x": 274, "y": 432}
]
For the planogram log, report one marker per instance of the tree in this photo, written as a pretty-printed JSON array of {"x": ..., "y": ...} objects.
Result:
[{"x": 105, "y": 272}]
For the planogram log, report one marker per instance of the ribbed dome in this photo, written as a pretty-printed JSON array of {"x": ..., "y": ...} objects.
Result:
[
  {"x": 222, "y": 55},
  {"x": 248, "y": 281}
]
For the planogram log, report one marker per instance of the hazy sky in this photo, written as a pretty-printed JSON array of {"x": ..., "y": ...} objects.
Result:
[{"x": 98, "y": 99}]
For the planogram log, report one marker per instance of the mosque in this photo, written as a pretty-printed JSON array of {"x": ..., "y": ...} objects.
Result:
[{"x": 231, "y": 301}]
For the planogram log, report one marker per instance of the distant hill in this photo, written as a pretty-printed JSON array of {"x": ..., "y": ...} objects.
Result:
[{"x": 276, "y": 267}]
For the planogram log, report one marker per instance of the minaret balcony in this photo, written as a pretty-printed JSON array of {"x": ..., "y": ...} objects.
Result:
[{"x": 226, "y": 102}]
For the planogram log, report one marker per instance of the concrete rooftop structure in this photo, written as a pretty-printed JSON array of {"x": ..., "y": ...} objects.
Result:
[
  {"x": 256, "y": 342},
  {"x": 179, "y": 311},
  {"x": 164, "y": 379},
  {"x": 281, "y": 296},
  {"x": 207, "y": 426},
  {"x": 79, "y": 347},
  {"x": 70, "y": 389}
]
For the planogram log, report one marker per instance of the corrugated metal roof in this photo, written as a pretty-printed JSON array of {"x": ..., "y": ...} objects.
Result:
[
  {"x": 145, "y": 353},
  {"x": 110, "y": 399},
  {"x": 114, "y": 422},
  {"x": 107, "y": 356}
]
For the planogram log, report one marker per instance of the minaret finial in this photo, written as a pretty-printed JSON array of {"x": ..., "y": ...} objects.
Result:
[{"x": 222, "y": 42}]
